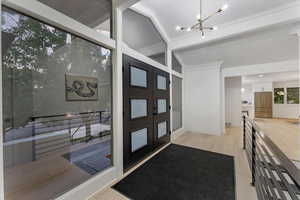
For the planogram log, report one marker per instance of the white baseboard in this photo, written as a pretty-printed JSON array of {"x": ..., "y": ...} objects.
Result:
[{"x": 177, "y": 133}]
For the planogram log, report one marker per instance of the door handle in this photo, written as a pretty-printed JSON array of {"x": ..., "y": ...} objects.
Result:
[{"x": 154, "y": 111}]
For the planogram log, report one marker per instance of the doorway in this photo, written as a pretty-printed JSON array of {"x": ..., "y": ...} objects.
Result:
[{"x": 146, "y": 107}]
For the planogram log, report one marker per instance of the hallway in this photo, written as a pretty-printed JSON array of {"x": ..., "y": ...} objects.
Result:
[{"x": 230, "y": 144}]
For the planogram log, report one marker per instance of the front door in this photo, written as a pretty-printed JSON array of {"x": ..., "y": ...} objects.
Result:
[{"x": 146, "y": 120}]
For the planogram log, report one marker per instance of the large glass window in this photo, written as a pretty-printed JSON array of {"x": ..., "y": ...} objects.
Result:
[
  {"x": 293, "y": 95},
  {"x": 56, "y": 108},
  {"x": 140, "y": 34},
  {"x": 176, "y": 65},
  {"x": 177, "y": 102},
  {"x": 96, "y": 14}
]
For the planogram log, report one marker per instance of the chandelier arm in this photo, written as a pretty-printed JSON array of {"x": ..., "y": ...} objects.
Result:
[
  {"x": 210, "y": 16},
  {"x": 208, "y": 28},
  {"x": 195, "y": 26}
]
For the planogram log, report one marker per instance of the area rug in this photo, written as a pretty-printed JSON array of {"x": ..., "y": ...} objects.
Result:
[{"x": 181, "y": 173}]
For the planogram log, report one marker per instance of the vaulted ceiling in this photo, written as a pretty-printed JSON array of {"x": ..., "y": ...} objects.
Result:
[
  {"x": 272, "y": 43},
  {"x": 178, "y": 12},
  {"x": 269, "y": 45}
]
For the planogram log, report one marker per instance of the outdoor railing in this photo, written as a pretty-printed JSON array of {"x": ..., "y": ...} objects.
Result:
[{"x": 274, "y": 175}]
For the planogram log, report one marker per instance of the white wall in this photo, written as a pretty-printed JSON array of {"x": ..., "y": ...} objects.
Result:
[
  {"x": 286, "y": 110},
  {"x": 202, "y": 94},
  {"x": 233, "y": 98},
  {"x": 266, "y": 86}
]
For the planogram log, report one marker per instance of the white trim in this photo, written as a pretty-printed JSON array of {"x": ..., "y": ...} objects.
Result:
[
  {"x": 148, "y": 13},
  {"x": 137, "y": 55},
  {"x": 279, "y": 15},
  {"x": 124, "y": 4},
  {"x": 118, "y": 95},
  {"x": 1, "y": 124},
  {"x": 177, "y": 74},
  {"x": 177, "y": 133},
  {"x": 91, "y": 186},
  {"x": 169, "y": 64},
  {"x": 285, "y": 66},
  {"x": 44, "y": 13},
  {"x": 206, "y": 66}
]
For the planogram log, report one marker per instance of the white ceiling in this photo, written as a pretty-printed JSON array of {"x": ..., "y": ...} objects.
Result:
[
  {"x": 178, "y": 12},
  {"x": 274, "y": 44},
  {"x": 273, "y": 77}
]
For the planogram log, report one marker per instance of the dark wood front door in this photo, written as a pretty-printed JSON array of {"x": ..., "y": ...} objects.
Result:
[{"x": 146, "y": 121}]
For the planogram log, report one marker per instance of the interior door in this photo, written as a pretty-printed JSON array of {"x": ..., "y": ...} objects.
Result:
[
  {"x": 146, "y": 117},
  {"x": 263, "y": 105}
]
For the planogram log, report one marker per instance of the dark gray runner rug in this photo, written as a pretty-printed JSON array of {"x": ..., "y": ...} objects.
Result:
[{"x": 182, "y": 173}]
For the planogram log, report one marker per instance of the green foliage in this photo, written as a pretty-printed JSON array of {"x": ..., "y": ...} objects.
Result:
[
  {"x": 279, "y": 95},
  {"x": 293, "y": 95}
]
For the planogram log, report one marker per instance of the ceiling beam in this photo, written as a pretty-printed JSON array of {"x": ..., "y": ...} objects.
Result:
[{"x": 281, "y": 15}]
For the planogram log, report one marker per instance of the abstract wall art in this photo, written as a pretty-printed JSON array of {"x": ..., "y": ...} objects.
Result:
[{"x": 81, "y": 88}]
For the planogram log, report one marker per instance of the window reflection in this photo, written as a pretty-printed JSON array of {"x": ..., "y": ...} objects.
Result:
[{"x": 56, "y": 108}]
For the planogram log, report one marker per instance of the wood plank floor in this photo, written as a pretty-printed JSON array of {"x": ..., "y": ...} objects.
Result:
[
  {"x": 285, "y": 133},
  {"x": 230, "y": 144}
]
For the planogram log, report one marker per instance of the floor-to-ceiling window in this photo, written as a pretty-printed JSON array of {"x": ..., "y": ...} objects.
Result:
[
  {"x": 56, "y": 108},
  {"x": 176, "y": 103},
  {"x": 176, "y": 65}
]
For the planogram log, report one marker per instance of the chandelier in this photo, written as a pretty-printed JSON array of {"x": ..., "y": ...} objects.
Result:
[{"x": 199, "y": 26}]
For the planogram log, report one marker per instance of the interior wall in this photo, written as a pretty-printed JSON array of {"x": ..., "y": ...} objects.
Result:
[
  {"x": 286, "y": 110},
  {"x": 233, "y": 105},
  {"x": 202, "y": 94},
  {"x": 263, "y": 86}
]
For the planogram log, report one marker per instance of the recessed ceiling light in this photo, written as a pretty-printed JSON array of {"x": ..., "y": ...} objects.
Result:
[
  {"x": 261, "y": 76},
  {"x": 243, "y": 90}
]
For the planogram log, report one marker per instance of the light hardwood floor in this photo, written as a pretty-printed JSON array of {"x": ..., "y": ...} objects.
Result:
[
  {"x": 230, "y": 144},
  {"x": 285, "y": 133}
]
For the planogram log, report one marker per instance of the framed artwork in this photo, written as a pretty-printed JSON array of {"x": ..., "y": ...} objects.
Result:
[
  {"x": 279, "y": 95},
  {"x": 293, "y": 95},
  {"x": 81, "y": 88}
]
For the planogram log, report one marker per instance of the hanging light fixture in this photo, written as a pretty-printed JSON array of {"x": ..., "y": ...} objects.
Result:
[{"x": 199, "y": 26}]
